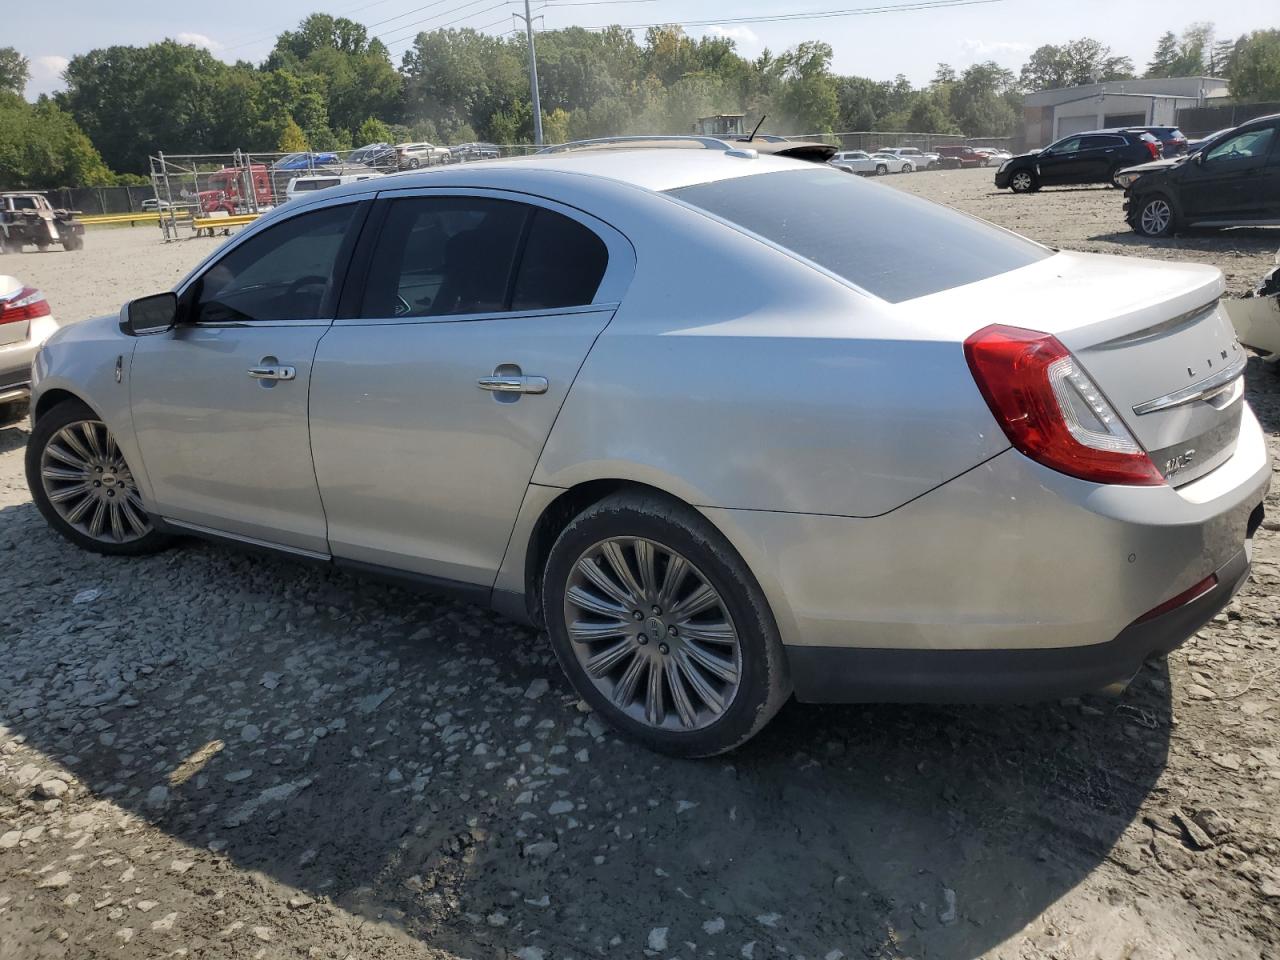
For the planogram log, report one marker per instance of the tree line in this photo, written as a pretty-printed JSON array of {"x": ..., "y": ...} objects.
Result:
[{"x": 329, "y": 85}]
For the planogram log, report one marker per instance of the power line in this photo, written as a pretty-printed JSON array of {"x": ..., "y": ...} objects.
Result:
[
  {"x": 808, "y": 15},
  {"x": 415, "y": 27}
]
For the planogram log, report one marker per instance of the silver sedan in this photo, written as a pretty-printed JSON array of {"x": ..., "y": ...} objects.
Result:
[{"x": 716, "y": 421}]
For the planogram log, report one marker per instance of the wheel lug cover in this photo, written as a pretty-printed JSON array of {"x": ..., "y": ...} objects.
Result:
[
  {"x": 643, "y": 640},
  {"x": 637, "y": 615},
  {"x": 657, "y": 611},
  {"x": 663, "y": 648},
  {"x": 672, "y": 630}
]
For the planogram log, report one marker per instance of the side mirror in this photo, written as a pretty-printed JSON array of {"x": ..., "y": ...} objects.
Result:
[{"x": 154, "y": 314}]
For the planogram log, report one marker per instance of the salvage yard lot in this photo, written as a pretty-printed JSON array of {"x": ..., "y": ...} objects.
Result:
[{"x": 208, "y": 753}]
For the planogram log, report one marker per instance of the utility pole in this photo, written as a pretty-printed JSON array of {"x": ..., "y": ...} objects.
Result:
[{"x": 533, "y": 73}]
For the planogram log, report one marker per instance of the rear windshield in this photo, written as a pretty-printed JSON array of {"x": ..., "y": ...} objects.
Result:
[
  {"x": 889, "y": 243},
  {"x": 315, "y": 184}
]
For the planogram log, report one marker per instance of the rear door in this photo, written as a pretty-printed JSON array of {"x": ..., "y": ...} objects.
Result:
[
  {"x": 435, "y": 390},
  {"x": 1100, "y": 154}
]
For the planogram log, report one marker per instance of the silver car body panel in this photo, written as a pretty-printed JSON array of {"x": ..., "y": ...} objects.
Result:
[{"x": 837, "y": 440}]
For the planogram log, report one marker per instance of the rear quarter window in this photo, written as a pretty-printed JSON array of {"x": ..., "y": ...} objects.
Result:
[{"x": 893, "y": 245}]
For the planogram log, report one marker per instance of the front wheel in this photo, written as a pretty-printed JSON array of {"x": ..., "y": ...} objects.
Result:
[
  {"x": 1155, "y": 217},
  {"x": 908, "y": 168},
  {"x": 82, "y": 485},
  {"x": 881, "y": 169},
  {"x": 661, "y": 627},
  {"x": 1023, "y": 181}
]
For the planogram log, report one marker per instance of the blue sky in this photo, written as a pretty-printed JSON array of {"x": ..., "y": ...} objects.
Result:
[{"x": 878, "y": 46}]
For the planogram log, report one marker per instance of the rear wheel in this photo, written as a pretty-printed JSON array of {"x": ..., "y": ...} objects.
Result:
[
  {"x": 881, "y": 169},
  {"x": 414, "y": 163},
  {"x": 73, "y": 242},
  {"x": 1155, "y": 216},
  {"x": 1023, "y": 181},
  {"x": 661, "y": 627},
  {"x": 80, "y": 481},
  {"x": 9, "y": 245}
]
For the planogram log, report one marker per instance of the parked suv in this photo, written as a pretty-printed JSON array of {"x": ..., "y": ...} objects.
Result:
[
  {"x": 411, "y": 156},
  {"x": 1232, "y": 181},
  {"x": 919, "y": 159},
  {"x": 1093, "y": 157},
  {"x": 1173, "y": 142},
  {"x": 954, "y": 158}
]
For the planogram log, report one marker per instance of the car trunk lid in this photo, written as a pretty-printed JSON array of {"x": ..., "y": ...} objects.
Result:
[{"x": 1151, "y": 335}]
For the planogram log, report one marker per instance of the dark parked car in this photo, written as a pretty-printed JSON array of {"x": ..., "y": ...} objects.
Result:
[
  {"x": 1093, "y": 157},
  {"x": 1173, "y": 142},
  {"x": 474, "y": 151},
  {"x": 1232, "y": 181},
  {"x": 1194, "y": 146},
  {"x": 954, "y": 158}
]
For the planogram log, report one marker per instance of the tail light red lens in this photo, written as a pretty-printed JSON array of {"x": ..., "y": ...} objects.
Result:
[
  {"x": 27, "y": 304},
  {"x": 1154, "y": 149},
  {"x": 1051, "y": 410},
  {"x": 1181, "y": 600}
]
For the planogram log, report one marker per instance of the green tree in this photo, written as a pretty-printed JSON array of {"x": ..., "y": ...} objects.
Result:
[
  {"x": 1222, "y": 57},
  {"x": 1255, "y": 72},
  {"x": 980, "y": 101},
  {"x": 373, "y": 130},
  {"x": 1182, "y": 56},
  {"x": 1075, "y": 63},
  {"x": 292, "y": 139},
  {"x": 555, "y": 126},
  {"x": 41, "y": 147},
  {"x": 808, "y": 102},
  {"x": 14, "y": 71}
]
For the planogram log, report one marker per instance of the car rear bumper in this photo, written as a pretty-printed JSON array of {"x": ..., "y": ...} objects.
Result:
[
  {"x": 874, "y": 675},
  {"x": 1005, "y": 572}
]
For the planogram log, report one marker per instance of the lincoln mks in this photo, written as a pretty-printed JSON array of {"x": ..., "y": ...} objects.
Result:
[{"x": 718, "y": 422}]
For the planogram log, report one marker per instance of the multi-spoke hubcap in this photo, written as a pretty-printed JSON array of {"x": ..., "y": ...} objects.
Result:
[
  {"x": 652, "y": 633},
  {"x": 1156, "y": 216},
  {"x": 1022, "y": 181},
  {"x": 88, "y": 482}
]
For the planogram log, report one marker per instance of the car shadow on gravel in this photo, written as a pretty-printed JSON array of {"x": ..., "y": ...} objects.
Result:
[
  {"x": 13, "y": 436},
  {"x": 1250, "y": 240},
  {"x": 418, "y": 760}
]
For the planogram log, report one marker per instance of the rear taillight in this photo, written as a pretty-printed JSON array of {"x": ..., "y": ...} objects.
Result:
[
  {"x": 1154, "y": 149},
  {"x": 1051, "y": 410},
  {"x": 1189, "y": 595},
  {"x": 27, "y": 304}
]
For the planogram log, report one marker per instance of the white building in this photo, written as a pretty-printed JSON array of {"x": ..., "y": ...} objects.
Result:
[{"x": 1051, "y": 114}]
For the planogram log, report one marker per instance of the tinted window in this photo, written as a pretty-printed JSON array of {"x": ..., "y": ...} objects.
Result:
[
  {"x": 1070, "y": 145},
  {"x": 1251, "y": 145},
  {"x": 440, "y": 256},
  {"x": 562, "y": 264},
  {"x": 889, "y": 243},
  {"x": 286, "y": 272},
  {"x": 1100, "y": 142}
]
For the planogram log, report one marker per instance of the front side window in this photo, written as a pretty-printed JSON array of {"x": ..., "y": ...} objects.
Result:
[
  {"x": 286, "y": 272},
  {"x": 891, "y": 244},
  {"x": 1070, "y": 145},
  {"x": 1250, "y": 145},
  {"x": 1101, "y": 142}
]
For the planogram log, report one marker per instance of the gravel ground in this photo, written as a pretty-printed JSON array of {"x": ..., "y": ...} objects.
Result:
[{"x": 214, "y": 754}]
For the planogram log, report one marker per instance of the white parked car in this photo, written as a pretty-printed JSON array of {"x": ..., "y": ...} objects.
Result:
[
  {"x": 310, "y": 184},
  {"x": 919, "y": 158},
  {"x": 860, "y": 162},
  {"x": 25, "y": 324},
  {"x": 896, "y": 163},
  {"x": 411, "y": 156}
]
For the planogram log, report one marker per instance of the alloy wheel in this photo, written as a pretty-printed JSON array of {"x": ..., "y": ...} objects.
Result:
[
  {"x": 652, "y": 634},
  {"x": 1021, "y": 181},
  {"x": 87, "y": 481},
  {"x": 1156, "y": 217}
]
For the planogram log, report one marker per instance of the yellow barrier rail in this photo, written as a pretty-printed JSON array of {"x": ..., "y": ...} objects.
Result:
[{"x": 145, "y": 216}]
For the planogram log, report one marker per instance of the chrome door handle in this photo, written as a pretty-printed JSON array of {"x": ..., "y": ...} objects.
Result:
[
  {"x": 513, "y": 384},
  {"x": 273, "y": 372}
]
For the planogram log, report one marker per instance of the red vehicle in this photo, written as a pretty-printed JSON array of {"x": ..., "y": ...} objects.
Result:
[
  {"x": 957, "y": 157},
  {"x": 227, "y": 189}
]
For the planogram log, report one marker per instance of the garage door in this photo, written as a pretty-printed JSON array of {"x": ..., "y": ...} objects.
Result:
[
  {"x": 1070, "y": 125},
  {"x": 1125, "y": 120}
]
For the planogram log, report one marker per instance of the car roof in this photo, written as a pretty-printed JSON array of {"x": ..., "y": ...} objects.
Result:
[{"x": 654, "y": 169}]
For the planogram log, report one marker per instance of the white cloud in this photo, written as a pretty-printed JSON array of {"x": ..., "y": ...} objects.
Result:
[
  {"x": 745, "y": 37},
  {"x": 999, "y": 50},
  {"x": 199, "y": 40},
  {"x": 46, "y": 74}
]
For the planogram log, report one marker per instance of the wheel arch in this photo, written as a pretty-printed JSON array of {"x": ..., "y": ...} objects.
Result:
[{"x": 55, "y": 397}]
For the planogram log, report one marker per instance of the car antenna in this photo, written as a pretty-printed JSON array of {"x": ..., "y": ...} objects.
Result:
[{"x": 757, "y": 127}]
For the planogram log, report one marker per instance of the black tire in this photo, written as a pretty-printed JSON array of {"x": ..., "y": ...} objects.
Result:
[
  {"x": 1145, "y": 218},
  {"x": 73, "y": 242},
  {"x": 764, "y": 681},
  {"x": 1020, "y": 184},
  {"x": 414, "y": 163},
  {"x": 881, "y": 169},
  {"x": 46, "y": 427},
  {"x": 42, "y": 245}
]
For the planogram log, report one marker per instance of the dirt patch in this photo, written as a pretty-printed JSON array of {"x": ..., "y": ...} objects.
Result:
[{"x": 207, "y": 753}]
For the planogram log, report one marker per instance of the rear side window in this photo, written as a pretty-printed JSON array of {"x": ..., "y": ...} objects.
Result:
[
  {"x": 441, "y": 256},
  {"x": 1102, "y": 141},
  {"x": 562, "y": 265},
  {"x": 891, "y": 244}
]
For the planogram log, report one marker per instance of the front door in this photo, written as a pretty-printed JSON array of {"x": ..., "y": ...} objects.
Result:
[
  {"x": 1229, "y": 180},
  {"x": 220, "y": 402},
  {"x": 1060, "y": 162},
  {"x": 431, "y": 403}
]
